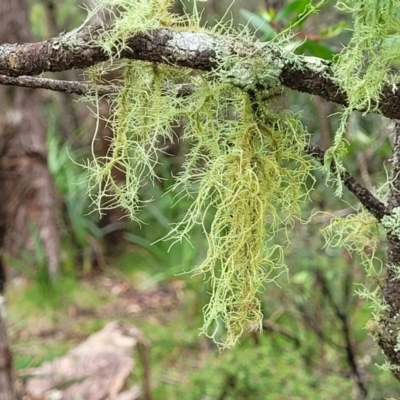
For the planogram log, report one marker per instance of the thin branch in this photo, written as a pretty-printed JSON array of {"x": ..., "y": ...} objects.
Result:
[
  {"x": 358, "y": 372},
  {"x": 197, "y": 50},
  {"x": 313, "y": 323},
  {"x": 366, "y": 198},
  {"x": 80, "y": 88},
  {"x": 272, "y": 326}
]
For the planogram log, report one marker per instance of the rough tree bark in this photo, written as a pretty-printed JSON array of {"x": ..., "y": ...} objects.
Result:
[
  {"x": 389, "y": 329},
  {"x": 7, "y": 388}
]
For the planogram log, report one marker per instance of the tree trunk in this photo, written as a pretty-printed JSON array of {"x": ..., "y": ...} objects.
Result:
[
  {"x": 7, "y": 388},
  {"x": 27, "y": 195}
]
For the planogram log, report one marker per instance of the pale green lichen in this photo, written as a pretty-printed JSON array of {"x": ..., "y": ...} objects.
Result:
[
  {"x": 396, "y": 271},
  {"x": 397, "y": 347},
  {"x": 362, "y": 70},
  {"x": 246, "y": 177},
  {"x": 391, "y": 223},
  {"x": 258, "y": 71},
  {"x": 364, "y": 66},
  {"x": 359, "y": 234},
  {"x": 245, "y": 167}
]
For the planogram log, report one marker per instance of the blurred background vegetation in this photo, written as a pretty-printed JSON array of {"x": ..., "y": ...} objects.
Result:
[{"x": 313, "y": 346}]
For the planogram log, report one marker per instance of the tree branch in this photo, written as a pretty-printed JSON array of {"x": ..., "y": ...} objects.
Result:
[
  {"x": 272, "y": 326},
  {"x": 389, "y": 327},
  {"x": 366, "y": 198},
  {"x": 196, "y": 50},
  {"x": 80, "y": 88}
]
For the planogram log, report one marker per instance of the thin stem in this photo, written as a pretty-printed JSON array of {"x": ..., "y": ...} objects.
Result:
[
  {"x": 366, "y": 198},
  {"x": 76, "y": 87}
]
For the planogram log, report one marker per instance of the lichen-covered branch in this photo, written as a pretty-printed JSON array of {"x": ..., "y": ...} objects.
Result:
[
  {"x": 388, "y": 322},
  {"x": 387, "y": 328},
  {"x": 197, "y": 50},
  {"x": 366, "y": 198}
]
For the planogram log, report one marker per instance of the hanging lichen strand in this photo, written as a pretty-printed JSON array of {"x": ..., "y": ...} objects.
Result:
[
  {"x": 141, "y": 116},
  {"x": 358, "y": 233},
  {"x": 364, "y": 67},
  {"x": 362, "y": 70},
  {"x": 245, "y": 169},
  {"x": 249, "y": 169}
]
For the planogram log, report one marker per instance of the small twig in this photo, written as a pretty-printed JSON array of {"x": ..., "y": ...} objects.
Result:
[
  {"x": 76, "y": 87},
  {"x": 81, "y": 88},
  {"x": 363, "y": 167},
  {"x": 144, "y": 355},
  {"x": 366, "y": 198},
  {"x": 313, "y": 323},
  {"x": 272, "y": 326}
]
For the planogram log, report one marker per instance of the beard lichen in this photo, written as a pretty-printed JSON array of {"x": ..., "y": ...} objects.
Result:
[
  {"x": 359, "y": 234},
  {"x": 249, "y": 170},
  {"x": 362, "y": 70},
  {"x": 142, "y": 114},
  {"x": 364, "y": 66},
  {"x": 245, "y": 167}
]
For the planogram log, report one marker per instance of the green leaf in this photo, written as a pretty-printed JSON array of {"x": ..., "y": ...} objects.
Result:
[
  {"x": 268, "y": 15},
  {"x": 313, "y": 48},
  {"x": 296, "y": 6}
]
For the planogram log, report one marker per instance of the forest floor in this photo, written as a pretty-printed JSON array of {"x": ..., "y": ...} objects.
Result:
[{"x": 46, "y": 322}]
